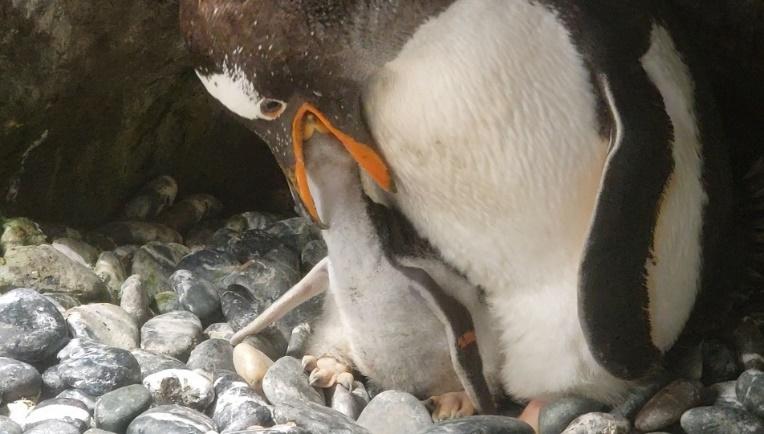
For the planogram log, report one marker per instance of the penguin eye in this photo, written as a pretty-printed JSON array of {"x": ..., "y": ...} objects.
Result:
[{"x": 271, "y": 108}]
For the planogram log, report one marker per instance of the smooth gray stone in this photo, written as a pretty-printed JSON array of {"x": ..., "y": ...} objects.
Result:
[
  {"x": 152, "y": 362},
  {"x": 196, "y": 295},
  {"x": 110, "y": 269},
  {"x": 720, "y": 420},
  {"x": 295, "y": 232},
  {"x": 347, "y": 403},
  {"x": 77, "y": 250},
  {"x": 66, "y": 410},
  {"x": 719, "y": 362},
  {"x": 749, "y": 343},
  {"x": 180, "y": 386},
  {"x": 598, "y": 423},
  {"x": 62, "y": 301},
  {"x": 725, "y": 395},
  {"x": 558, "y": 414},
  {"x": 8, "y": 426},
  {"x": 249, "y": 220},
  {"x": 316, "y": 418},
  {"x": 171, "y": 419},
  {"x": 238, "y": 405},
  {"x": 190, "y": 210},
  {"x": 80, "y": 396},
  {"x": 154, "y": 197},
  {"x": 209, "y": 265},
  {"x": 53, "y": 427},
  {"x": 393, "y": 412},
  {"x": 219, "y": 330},
  {"x": 173, "y": 334},
  {"x": 31, "y": 328},
  {"x": 481, "y": 425},
  {"x": 667, "y": 406},
  {"x": 115, "y": 410},
  {"x": 104, "y": 323},
  {"x": 750, "y": 391},
  {"x": 18, "y": 380},
  {"x": 134, "y": 299},
  {"x": 638, "y": 395},
  {"x": 155, "y": 262},
  {"x": 212, "y": 356},
  {"x": 312, "y": 254},
  {"x": 286, "y": 382},
  {"x": 298, "y": 340}
]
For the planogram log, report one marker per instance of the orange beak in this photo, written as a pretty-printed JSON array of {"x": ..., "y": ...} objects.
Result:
[{"x": 307, "y": 121}]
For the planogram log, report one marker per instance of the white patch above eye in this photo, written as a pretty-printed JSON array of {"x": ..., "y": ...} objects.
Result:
[{"x": 235, "y": 91}]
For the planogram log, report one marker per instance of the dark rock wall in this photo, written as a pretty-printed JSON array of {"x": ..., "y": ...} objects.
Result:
[{"x": 97, "y": 97}]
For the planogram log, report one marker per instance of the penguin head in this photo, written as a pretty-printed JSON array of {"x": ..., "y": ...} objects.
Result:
[{"x": 281, "y": 70}]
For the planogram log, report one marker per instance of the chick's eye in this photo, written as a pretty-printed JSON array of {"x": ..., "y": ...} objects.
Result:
[{"x": 272, "y": 108}]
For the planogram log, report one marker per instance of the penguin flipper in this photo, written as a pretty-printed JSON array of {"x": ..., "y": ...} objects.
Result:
[{"x": 613, "y": 298}]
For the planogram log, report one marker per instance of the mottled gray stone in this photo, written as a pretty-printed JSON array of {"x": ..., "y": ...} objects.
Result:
[
  {"x": 80, "y": 396},
  {"x": 180, "y": 386},
  {"x": 286, "y": 382},
  {"x": 749, "y": 343},
  {"x": 110, "y": 269},
  {"x": 70, "y": 411},
  {"x": 134, "y": 299},
  {"x": 720, "y": 420},
  {"x": 316, "y": 418},
  {"x": 219, "y": 330},
  {"x": 155, "y": 262},
  {"x": 312, "y": 254},
  {"x": 725, "y": 395},
  {"x": 152, "y": 362},
  {"x": 294, "y": 232},
  {"x": 31, "y": 327},
  {"x": 62, "y": 301},
  {"x": 750, "y": 391},
  {"x": 558, "y": 414},
  {"x": 77, "y": 250},
  {"x": 393, "y": 412},
  {"x": 667, "y": 406},
  {"x": 481, "y": 425},
  {"x": 8, "y": 426},
  {"x": 171, "y": 419},
  {"x": 212, "y": 356},
  {"x": 53, "y": 427},
  {"x": 345, "y": 402},
  {"x": 154, "y": 197},
  {"x": 210, "y": 265},
  {"x": 18, "y": 380},
  {"x": 137, "y": 232},
  {"x": 719, "y": 362},
  {"x": 195, "y": 295},
  {"x": 190, "y": 210},
  {"x": 20, "y": 231},
  {"x": 598, "y": 423},
  {"x": 298, "y": 340},
  {"x": 237, "y": 404},
  {"x": 174, "y": 334},
  {"x": 165, "y": 302},
  {"x": 115, "y": 410},
  {"x": 104, "y": 323},
  {"x": 250, "y": 220}
]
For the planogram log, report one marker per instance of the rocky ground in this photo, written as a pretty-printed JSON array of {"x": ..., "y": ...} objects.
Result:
[{"x": 125, "y": 329}]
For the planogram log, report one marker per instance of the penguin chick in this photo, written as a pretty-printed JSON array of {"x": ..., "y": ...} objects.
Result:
[{"x": 395, "y": 311}]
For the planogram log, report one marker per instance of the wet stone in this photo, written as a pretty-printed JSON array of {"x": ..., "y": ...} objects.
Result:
[
  {"x": 251, "y": 364},
  {"x": 720, "y": 420},
  {"x": 155, "y": 262},
  {"x": 558, "y": 414},
  {"x": 312, "y": 254},
  {"x": 151, "y": 363},
  {"x": 482, "y": 425},
  {"x": 286, "y": 382},
  {"x": 750, "y": 391},
  {"x": 111, "y": 271},
  {"x": 20, "y": 231},
  {"x": 65, "y": 410},
  {"x": 719, "y": 362},
  {"x": 237, "y": 405},
  {"x": 180, "y": 386},
  {"x": 212, "y": 356},
  {"x": 31, "y": 327},
  {"x": 134, "y": 300},
  {"x": 8, "y": 426},
  {"x": 115, "y": 410},
  {"x": 153, "y": 198},
  {"x": 195, "y": 295},
  {"x": 210, "y": 265},
  {"x": 18, "y": 380},
  {"x": 316, "y": 418},
  {"x": 46, "y": 269},
  {"x": 395, "y": 412},
  {"x": 166, "y": 302},
  {"x": 174, "y": 334},
  {"x": 53, "y": 427},
  {"x": 598, "y": 423},
  {"x": 190, "y": 211},
  {"x": 219, "y": 330},
  {"x": 104, "y": 323},
  {"x": 171, "y": 419},
  {"x": 725, "y": 395},
  {"x": 80, "y": 396},
  {"x": 749, "y": 343},
  {"x": 667, "y": 406},
  {"x": 135, "y": 232}
]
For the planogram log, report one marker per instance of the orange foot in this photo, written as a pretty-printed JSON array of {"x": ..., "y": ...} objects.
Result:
[
  {"x": 530, "y": 414},
  {"x": 450, "y": 405},
  {"x": 325, "y": 372}
]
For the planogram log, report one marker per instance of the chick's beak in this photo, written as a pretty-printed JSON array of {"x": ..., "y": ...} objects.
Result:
[{"x": 308, "y": 121}]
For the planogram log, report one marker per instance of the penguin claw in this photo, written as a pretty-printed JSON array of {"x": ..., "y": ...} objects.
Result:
[
  {"x": 325, "y": 372},
  {"x": 309, "y": 363},
  {"x": 451, "y": 405}
]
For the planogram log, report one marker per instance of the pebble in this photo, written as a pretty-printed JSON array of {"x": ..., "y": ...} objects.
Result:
[
  {"x": 93, "y": 368},
  {"x": 237, "y": 404},
  {"x": 258, "y": 244},
  {"x": 18, "y": 380},
  {"x": 139, "y": 233},
  {"x": 195, "y": 295},
  {"x": 557, "y": 415},
  {"x": 749, "y": 343},
  {"x": 598, "y": 423},
  {"x": 719, "y": 362},
  {"x": 8, "y": 426},
  {"x": 166, "y": 302},
  {"x": 666, "y": 407},
  {"x": 115, "y": 410},
  {"x": 725, "y": 394},
  {"x": 238, "y": 306},
  {"x": 70, "y": 411},
  {"x": 250, "y": 220},
  {"x": 482, "y": 425},
  {"x": 171, "y": 419},
  {"x": 155, "y": 262},
  {"x": 750, "y": 391},
  {"x": 46, "y": 269},
  {"x": 134, "y": 299},
  {"x": 154, "y": 197},
  {"x": 104, "y": 323},
  {"x": 100, "y": 241},
  {"x": 720, "y": 420},
  {"x": 212, "y": 356},
  {"x": 270, "y": 341},
  {"x": 53, "y": 427},
  {"x": 313, "y": 252},
  {"x": 80, "y": 396},
  {"x": 151, "y": 362},
  {"x": 125, "y": 254},
  {"x": 638, "y": 395},
  {"x": 173, "y": 334},
  {"x": 285, "y": 382},
  {"x": 295, "y": 232},
  {"x": 31, "y": 327},
  {"x": 20, "y": 231},
  {"x": 190, "y": 211},
  {"x": 298, "y": 340},
  {"x": 316, "y": 418},
  {"x": 98, "y": 431},
  {"x": 393, "y": 412},
  {"x": 111, "y": 271},
  {"x": 55, "y": 230},
  {"x": 62, "y": 301},
  {"x": 345, "y": 402},
  {"x": 219, "y": 330},
  {"x": 251, "y": 364},
  {"x": 180, "y": 386},
  {"x": 77, "y": 250},
  {"x": 210, "y": 265}
]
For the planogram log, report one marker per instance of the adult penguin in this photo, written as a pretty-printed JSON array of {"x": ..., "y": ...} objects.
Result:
[{"x": 564, "y": 155}]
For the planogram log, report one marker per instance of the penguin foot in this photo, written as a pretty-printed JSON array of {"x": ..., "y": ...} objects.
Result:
[
  {"x": 530, "y": 414},
  {"x": 450, "y": 405},
  {"x": 325, "y": 372}
]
